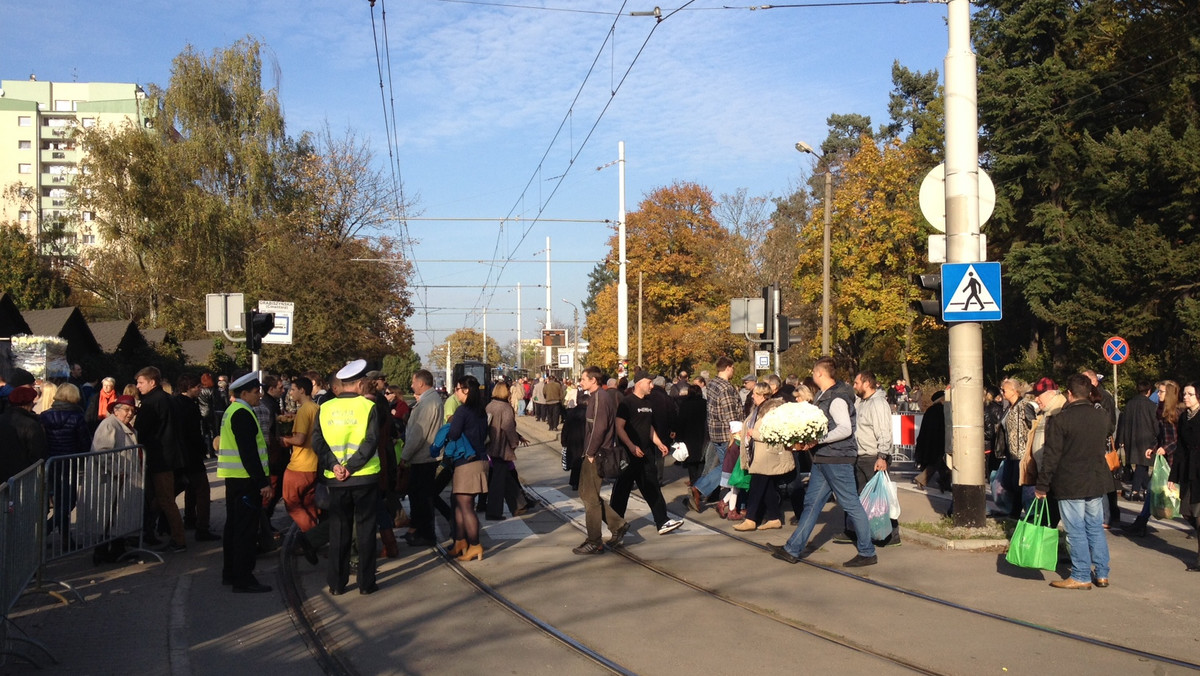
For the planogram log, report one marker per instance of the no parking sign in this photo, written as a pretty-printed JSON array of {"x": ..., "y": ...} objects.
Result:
[{"x": 1116, "y": 350}]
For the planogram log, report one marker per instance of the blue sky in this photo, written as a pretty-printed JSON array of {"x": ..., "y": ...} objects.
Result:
[{"x": 716, "y": 96}]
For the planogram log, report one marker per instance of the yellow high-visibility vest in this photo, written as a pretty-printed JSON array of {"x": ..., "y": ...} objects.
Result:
[
  {"x": 344, "y": 427},
  {"x": 229, "y": 461}
]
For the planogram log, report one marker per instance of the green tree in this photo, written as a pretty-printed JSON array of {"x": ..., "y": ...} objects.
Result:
[
  {"x": 917, "y": 111},
  {"x": 1091, "y": 129},
  {"x": 399, "y": 368},
  {"x": 25, "y": 276}
]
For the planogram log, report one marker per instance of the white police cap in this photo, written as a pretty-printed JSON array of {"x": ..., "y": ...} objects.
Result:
[
  {"x": 248, "y": 381},
  {"x": 353, "y": 371}
]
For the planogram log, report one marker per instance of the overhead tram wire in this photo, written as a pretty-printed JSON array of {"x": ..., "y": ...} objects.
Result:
[
  {"x": 592, "y": 130},
  {"x": 537, "y": 171},
  {"x": 705, "y": 9},
  {"x": 401, "y": 207}
]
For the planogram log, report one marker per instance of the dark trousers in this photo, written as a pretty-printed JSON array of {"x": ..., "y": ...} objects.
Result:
[
  {"x": 553, "y": 411},
  {"x": 197, "y": 499},
  {"x": 763, "y": 499},
  {"x": 352, "y": 509},
  {"x": 1141, "y": 479},
  {"x": 502, "y": 488},
  {"x": 421, "y": 480},
  {"x": 643, "y": 473},
  {"x": 243, "y": 505}
]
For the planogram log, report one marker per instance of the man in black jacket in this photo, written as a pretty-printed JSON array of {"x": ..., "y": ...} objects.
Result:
[
  {"x": 197, "y": 496},
  {"x": 1073, "y": 466},
  {"x": 1137, "y": 432},
  {"x": 156, "y": 432}
]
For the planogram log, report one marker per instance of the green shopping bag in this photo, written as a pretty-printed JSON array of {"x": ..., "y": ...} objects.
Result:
[
  {"x": 1164, "y": 503},
  {"x": 1034, "y": 543},
  {"x": 739, "y": 478}
]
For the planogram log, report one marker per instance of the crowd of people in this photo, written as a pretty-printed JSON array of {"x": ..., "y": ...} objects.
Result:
[{"x": 341, "y": 452}]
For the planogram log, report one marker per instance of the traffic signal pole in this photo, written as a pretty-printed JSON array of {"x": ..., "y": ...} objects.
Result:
[{"x": 962, "y": 246}]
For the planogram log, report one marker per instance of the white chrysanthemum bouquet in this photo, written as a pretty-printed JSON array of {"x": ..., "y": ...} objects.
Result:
[{"x": 793, "y": 423}]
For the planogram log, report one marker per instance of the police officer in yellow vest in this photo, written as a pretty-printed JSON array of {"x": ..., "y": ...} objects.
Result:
[
  {"x": 345, "y": 439},
  {"x": 242, "y": 463}
]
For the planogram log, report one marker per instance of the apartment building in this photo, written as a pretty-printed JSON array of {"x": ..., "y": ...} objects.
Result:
[{"x": 38, "y": 152}]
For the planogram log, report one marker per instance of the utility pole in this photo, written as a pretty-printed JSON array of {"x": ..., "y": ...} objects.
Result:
[
  {"x": 962, "y": 246},
  {"x": 622, "y": 284},
  {"x": 639, "y": 361},
  {"x": 520, "y": 347},
  {"x": 548, "y": 326}
]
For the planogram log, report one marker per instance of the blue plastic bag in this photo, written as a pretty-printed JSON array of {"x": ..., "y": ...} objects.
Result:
[{"x": 875, "y": 500}]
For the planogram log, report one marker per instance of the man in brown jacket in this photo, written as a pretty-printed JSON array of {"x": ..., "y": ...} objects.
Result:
[
  {"x": 552, "y": 398},
  {"x": 600, "y": 433}
]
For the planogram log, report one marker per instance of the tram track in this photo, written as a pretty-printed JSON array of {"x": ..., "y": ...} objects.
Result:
[{"x": 910, "y": 593}]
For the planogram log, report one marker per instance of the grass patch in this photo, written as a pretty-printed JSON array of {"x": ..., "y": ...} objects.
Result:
[{"x": 996, "y": 529}]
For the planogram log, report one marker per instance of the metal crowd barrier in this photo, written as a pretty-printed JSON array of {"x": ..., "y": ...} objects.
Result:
[
  {"x": 22, "y": 527},
  {"x": 93, "y": 499}
]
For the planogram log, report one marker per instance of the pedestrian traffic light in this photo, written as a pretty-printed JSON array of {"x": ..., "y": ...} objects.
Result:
[
  {"x": 932, "y": 307},
  {"x": 258, "y": 325},
  {"x": 783, "y": 332}
]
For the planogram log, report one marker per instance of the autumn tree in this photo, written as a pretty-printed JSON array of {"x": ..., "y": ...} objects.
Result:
[
  {"x": 214, "y": 197},
  {"x": 877, "y": 245},
  {"x": 675, "y": 241},
  {"x": 465, "y": 344}
]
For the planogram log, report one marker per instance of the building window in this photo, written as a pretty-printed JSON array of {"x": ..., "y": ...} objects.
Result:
[
  {"x": 24, "y": 168},
  {"x": 25, "y": 216},
  {"x": 62, "y": 105},
  {"x": 89, "y": 215},
  {"x": 89, "y": 239},
  {"x": 89, "y": 122},
  {"x": 24, "y": 145},
  {"x": 24, "y": 121}
]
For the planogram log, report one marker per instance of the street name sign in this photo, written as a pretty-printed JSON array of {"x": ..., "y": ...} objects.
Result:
[{"x": 284, "y": 319}]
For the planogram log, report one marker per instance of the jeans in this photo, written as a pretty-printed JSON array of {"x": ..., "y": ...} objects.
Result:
[
  {"x": 711, "y": 481},
  {"x": 838, "y": 479},
  {"x": 1084, "y": 523}
]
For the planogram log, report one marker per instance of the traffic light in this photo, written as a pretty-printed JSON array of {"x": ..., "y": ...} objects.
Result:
[
  {"x": 933, "y": 307},
  {"x": 768, "y": 334},
  {"x": 783, "y": 332},
  {"x": 258, "y": 325}
]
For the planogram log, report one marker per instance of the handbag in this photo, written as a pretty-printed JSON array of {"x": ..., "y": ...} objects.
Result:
[
  {"x": 1034, "y": 543},
  {"x": 1164, "y": 503},
  {"x": 611, "y": 461},
  {"x": 1113, "y": 459},
  {"x": 321, "y": 497},
  {"x": 739, "y": 478}
]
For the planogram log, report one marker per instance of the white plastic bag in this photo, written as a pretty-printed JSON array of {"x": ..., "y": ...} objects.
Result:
[
  {"x": 893, "y": 498},
  {"x": 679, "y": 451}
]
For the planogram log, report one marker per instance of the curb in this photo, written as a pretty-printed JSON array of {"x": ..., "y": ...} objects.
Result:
[{"x": 935, "y": 542}]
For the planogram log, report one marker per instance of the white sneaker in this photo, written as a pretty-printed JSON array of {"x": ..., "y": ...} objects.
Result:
[{"x": 669, "y": 526}]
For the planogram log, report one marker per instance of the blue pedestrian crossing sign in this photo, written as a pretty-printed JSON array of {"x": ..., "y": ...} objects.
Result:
[{"x": 971, "y": 292}]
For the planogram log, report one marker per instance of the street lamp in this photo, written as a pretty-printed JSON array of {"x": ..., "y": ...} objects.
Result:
[
  {"x": 805, "y": 148},
  {"x": 574, "y": 343}
]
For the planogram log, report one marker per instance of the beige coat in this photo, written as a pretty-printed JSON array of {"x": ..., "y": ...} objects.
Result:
[{"x": 769, "y": 459}]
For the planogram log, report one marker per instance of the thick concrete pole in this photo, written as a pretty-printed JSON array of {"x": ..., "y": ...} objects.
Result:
[
  {"x": 962, "y": 246},
  {"x": 549, "y": 350}
]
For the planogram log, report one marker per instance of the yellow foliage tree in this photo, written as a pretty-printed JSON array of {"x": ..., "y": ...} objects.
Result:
[{"x": 878, "y": 243}]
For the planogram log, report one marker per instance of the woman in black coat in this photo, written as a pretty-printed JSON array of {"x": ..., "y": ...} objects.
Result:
[
  {"x": 1185, "y": 470},
  {"x": 691, "y": 427},
  {"x": 67, "y": 433},
  {"x": 573, "y": 431}
]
